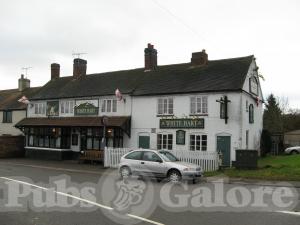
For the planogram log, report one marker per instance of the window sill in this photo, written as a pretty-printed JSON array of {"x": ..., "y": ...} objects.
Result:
[
  {"x": 165, "y": 115},
  {"x": 6, "y": 122},
  {"x": 204, "y": 114}
]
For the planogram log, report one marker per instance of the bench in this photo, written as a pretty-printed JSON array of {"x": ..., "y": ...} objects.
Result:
[{"x": 92, "y": 156}]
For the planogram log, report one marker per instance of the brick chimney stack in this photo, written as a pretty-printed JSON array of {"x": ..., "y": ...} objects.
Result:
[
  {"x": 79, "y": 67},
  {"x": 55, "y": 71},
  {"x": 23, "y": 83},
  {"x": 150, "y": 58},
  {"x": 199, "y": 58}
]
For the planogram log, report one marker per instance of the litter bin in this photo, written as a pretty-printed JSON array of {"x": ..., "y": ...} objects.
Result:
[{"x": 246, "y": 159}]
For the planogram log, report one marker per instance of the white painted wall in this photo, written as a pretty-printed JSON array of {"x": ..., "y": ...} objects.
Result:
[{"x": 8, "y": 128}]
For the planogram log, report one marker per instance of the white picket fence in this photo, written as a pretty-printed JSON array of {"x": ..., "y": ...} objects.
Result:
[{"x": 209, "y": 161}]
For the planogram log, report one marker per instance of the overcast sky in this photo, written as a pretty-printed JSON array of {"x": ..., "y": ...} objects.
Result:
[{"x": 114, "y": 33}]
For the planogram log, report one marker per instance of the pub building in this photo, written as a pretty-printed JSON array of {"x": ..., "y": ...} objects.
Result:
[{"x": 201, "y": 105}]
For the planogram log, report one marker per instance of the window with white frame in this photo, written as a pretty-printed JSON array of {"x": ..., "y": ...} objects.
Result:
[
  {"x": 109, "y": 105},
  {"x": 165, "y": 141},
  {"x": 39, "y": 108},
  {"x": 198, "y": 142},
  {"x": 199, "y": 105},
  {"x": 67, "y": 107},
  {"x": 165, "y": 106}
]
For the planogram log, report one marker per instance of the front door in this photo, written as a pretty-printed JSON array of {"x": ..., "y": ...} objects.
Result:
[
  {"x": 223, "y": 146},
  {"x": 144, "y": 142}
]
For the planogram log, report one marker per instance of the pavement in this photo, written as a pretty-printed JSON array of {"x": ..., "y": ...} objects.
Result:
[{"x": 154, "y": 209}]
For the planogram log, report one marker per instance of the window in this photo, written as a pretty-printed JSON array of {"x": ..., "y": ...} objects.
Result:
[
  {"x": 134, "y": 155},
  {"x": 198, "y": 142},
  {"x": 109, "y": 105},
  {"x": 7, "y": 117},
  {"x": 199, "y": 105},
  {"x": 165, "y": 141},
  {"x": 49, "y": 137},
  {"x": 251, "y": 113},
  {"x": 151, "y": 156},
  {"x": 39, "y": 108},
  {"x": 165, "y": 106},
  {"x": 67, "y": 107}
]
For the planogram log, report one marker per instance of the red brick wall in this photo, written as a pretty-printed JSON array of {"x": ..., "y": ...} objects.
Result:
[{"x": 11, "y": 146}]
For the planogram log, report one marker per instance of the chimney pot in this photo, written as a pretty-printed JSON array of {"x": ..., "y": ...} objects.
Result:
[
  {"x": 79, "y": 67},
  {"x": 55, "y": 71},
  {"x": 150, "y": 57}
]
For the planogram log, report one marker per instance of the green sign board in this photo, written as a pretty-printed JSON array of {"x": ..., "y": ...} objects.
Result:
[
  {"x": 86, "y": 108},
  {"x": 197, "y": 123},
  {"x": 180, "y": 137}
]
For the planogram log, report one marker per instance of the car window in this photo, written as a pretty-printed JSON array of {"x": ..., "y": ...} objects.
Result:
[
  {"x": 169, "y": 156},
  {"x": 151, "y": 156},
  {"x": 134, "y": 155}
]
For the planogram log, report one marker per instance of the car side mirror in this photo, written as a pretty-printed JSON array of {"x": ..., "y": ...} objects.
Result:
[{"x": 159, "y": 161}]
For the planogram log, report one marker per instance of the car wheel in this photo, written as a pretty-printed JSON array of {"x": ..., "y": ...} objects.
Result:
[
  {"x": 174, "y": 176},
  {"x": 294, "y": 152},
  {"x": 125, "y": 172}
]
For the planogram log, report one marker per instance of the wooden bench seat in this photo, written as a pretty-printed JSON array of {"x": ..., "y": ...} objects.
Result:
[{"x": 92, "y": 156}]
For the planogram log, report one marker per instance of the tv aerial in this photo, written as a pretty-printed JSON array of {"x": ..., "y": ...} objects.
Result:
[
  {"x": 78, "y": 54},
  {"x": 25, "y": 69}
]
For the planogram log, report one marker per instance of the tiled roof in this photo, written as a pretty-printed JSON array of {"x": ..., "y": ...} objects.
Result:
[
  {"x": 218, "y": 75},
  {"x": 9, "y": 98}
]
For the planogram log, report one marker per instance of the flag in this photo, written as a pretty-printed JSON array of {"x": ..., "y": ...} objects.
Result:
[
  {"x": 118, "y": 95},
  {"x": 24, "y": 100}
]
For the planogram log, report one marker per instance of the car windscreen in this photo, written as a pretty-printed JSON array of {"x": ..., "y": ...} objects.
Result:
[{"x": 167, "y": 156}]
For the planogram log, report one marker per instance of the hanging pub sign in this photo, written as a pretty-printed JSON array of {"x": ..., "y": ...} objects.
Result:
[
  {"x": 197, "y": 123},
  {"x": 52, "y": 108},
  {"x": 86, "y": 107},
  {"x": 180, "y": 137}
]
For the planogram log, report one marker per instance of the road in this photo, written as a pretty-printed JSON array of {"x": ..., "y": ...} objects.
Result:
[{"x": 185, "y": 211}]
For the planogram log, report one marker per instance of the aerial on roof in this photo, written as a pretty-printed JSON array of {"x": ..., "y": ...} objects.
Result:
[
  {"x": 217, "y": 75},
  {"x": 9, "y": 98}
]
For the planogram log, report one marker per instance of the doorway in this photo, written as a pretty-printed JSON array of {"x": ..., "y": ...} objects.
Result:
[{"x": 223, "y": 146}]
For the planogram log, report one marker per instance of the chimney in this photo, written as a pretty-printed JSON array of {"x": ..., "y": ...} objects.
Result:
[
  {"x": 23, "y": 83},
  {"x": 199, "y": 58},
  {"x": 79, "y": 67},
  {"x": 55, "y": 71},
  {"x": 150, "y": 58}
]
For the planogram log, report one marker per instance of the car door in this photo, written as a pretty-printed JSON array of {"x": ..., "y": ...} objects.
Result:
[
  {"x": 133, "y": 160},
  {"x": 152, "y": 164}
]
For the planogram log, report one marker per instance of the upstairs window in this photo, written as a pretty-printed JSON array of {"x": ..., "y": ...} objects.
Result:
[
  {"x": 251, "y": 113},
  {"x": 199, "y": 105},
  {"x": 67, "y": 107},
  {"x": 165, "y": 106},
  {"x": 109, "y": 105},
  {"x": 7, "y": 117},
  {"x": 39, "y": 108}
]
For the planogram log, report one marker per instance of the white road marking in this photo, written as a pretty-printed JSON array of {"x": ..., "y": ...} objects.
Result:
[
  {"x": 82, "y": 199},
  {"x": 289, "y": 212},
  {"x": 54, "y": 168}
]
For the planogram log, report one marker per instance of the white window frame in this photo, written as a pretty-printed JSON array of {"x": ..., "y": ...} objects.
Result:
[
  {"x": 109, "y": 105},
  {"x": 195, "y": 146},
  {"x": 165, "y": 106},
  {"x": 67, "y": 107},
  {"x": 40, "y": 108},
  {"x": 167, "y": 145},
  {"x": 199, "y": 105}
]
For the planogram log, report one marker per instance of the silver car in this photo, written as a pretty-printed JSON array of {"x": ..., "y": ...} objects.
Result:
[
  {"x": 292, "y": 150},
  {"x": 159, "y": 164}
]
